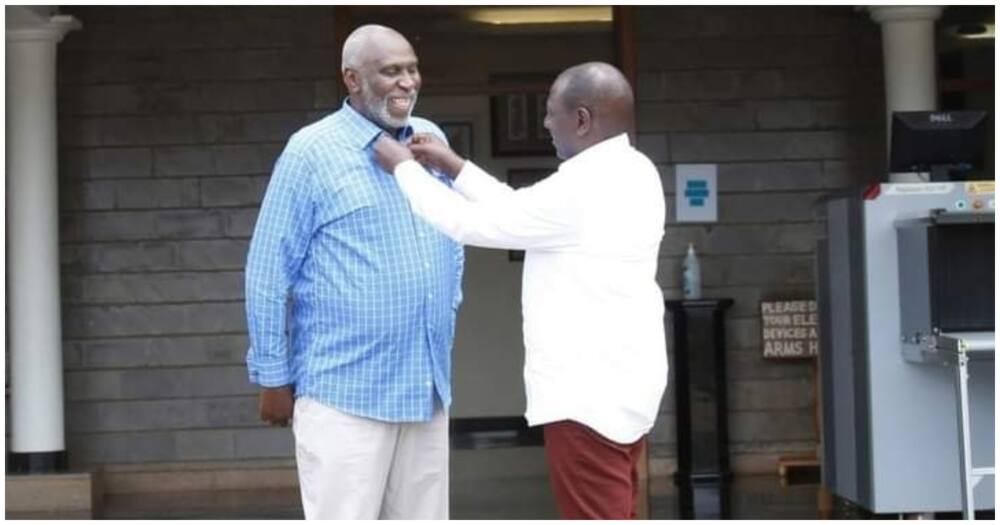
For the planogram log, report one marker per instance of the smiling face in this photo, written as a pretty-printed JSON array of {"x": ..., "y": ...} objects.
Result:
[{"x": 385, "y": 81}]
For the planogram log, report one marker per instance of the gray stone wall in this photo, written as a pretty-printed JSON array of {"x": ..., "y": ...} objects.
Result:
[
  {"x": 789, "y": 102},
  {"x": 170, "y": 120}
]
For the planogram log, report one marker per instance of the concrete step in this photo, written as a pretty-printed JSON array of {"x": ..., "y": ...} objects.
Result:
[
  {"x": 224, "y": 504},
  {"x": 52, "y": 496}
]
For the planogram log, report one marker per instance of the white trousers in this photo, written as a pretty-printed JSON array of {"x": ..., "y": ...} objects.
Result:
[{"x": 357, "y": 468}]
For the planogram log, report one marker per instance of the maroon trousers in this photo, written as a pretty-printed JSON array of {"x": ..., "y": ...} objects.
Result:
[{"x": 591, "y": 476}]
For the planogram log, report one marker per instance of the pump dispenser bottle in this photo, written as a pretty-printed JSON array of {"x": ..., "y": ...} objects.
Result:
[{"x": 692, "y": 275}]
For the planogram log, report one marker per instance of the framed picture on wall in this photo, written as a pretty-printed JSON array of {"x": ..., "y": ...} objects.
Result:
[
  {"x": 522, "y": 178},
  {"x": 459, "y": 137},
  {"x": 518, "y": 125}
]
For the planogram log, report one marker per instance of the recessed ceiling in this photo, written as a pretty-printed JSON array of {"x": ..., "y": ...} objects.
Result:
[{"x": 522, "y": 15}]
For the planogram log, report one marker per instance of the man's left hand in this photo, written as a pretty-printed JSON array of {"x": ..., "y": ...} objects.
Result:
[{"x": 390, "y": 153}]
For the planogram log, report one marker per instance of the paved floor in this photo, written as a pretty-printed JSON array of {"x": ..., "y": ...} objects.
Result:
[{"x": 485, "y": 484}]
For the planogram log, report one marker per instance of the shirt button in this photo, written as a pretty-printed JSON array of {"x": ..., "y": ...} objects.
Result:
[
  {"x": 430, "y": 296},
  {"x": 427, "y": 265},
  {"x": 430, "y": 383}
]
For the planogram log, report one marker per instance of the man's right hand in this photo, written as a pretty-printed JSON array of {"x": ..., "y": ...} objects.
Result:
[
  {"x": 433, "y": 152},
  {"x": 276, "y": 405}
]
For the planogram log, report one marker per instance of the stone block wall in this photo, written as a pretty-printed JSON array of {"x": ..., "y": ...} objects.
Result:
[
  {"x": 170, "y": 121},
  {"x": 171, "y": 118},
  {"x": 789, "y": 103}
]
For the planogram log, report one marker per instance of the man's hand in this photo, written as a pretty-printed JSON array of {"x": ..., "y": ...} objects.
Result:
[
  {"x": 276, "y": 405},
  {"x": 390, "y": 153},
  {"x": 433, "y": 152}
]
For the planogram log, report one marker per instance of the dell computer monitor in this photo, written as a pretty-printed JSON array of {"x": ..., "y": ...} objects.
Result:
[{"x": 946, "y": 144}]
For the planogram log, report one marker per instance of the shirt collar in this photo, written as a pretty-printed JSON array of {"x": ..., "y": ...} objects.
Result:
[
  {"x": 363, "y": 131},
  {"x": 616, "y": 142}
]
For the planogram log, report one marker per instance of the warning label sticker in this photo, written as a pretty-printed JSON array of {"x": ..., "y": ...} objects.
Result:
[
  {"x": 980, "y": 187},
  {"x": 917, "y": 188}
]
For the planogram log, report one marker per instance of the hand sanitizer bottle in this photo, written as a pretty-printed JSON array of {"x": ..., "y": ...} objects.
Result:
[{"x": 692, "y": 275}]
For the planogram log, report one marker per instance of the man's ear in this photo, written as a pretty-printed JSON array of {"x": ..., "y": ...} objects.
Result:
[
  {"x": 352, "y": 81},
  {"x": 584, "y": 121}
]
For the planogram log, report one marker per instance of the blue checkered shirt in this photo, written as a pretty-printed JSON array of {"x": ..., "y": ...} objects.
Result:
[{"x": 350, "y": 297}]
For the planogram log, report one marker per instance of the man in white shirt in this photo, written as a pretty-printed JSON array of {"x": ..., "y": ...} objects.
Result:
[{"x": 595, "y": 362}]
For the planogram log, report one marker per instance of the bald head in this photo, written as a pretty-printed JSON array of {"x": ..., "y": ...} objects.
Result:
[
  {"x": 589, "y": 103},
  {"x": 602, "y": 89},
  {"x": 364, "y": 41},
  {"x": 380, "y": 72}
]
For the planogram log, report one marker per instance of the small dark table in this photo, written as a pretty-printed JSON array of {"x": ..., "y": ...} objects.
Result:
[{"x": 699, "y": 366}]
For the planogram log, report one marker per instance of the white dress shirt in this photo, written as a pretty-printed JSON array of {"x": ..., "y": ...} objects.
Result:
[{"x": 595, "y": 351}]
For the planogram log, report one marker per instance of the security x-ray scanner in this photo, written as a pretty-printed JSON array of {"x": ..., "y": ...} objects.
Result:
[{"x": 906, "y": 293}]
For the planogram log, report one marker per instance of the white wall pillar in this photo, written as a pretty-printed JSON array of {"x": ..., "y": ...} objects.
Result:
[
  {"x": 35, "y": 334},
  {"x": 910, "y": 61}
]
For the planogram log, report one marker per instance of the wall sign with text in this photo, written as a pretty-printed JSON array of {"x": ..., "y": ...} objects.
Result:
[{"x": 789, "y": 329}]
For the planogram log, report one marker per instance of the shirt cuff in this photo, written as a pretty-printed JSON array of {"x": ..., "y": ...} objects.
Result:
[{"x": 271, "y": 375}]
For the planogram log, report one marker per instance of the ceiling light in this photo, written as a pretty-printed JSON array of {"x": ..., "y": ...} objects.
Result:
[
  {"x": 972, "y": 31},
  {"x": 540, "y": 15}
]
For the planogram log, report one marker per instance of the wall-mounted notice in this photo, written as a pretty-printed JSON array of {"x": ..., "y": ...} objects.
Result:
[
  {"x": 697, "y": 193},
  {"x": 789, "y": 329}
]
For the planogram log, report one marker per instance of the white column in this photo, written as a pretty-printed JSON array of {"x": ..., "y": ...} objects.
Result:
[
  {"x": 35, "y": 334},
  {"x": 910, "y": 61}
]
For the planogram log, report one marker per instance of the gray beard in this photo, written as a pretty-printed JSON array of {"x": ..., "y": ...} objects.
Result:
[{"x": 378, "y": 108}]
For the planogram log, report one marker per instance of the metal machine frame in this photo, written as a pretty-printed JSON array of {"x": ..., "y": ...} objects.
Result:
[
  {"x": 887, "y": 386},
  {"x": 956, "y": 349}
]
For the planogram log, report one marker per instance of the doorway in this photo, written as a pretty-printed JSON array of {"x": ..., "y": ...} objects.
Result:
[{"x": 486, "y": 73}]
